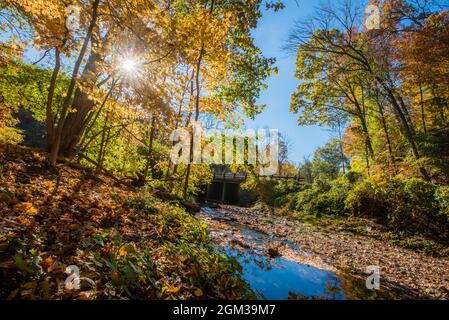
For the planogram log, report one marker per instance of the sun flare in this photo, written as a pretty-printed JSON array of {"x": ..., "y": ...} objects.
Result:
[{"x": 129, "y": 65}]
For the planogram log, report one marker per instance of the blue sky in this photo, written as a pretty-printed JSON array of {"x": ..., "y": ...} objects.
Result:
[{"x": 270, "y": 36}]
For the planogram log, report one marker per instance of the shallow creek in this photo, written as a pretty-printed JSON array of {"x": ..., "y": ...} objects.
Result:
[{"x": 277, "y": 269}]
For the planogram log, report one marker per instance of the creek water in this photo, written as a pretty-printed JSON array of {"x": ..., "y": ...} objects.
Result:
[{"x": 284, "y": 274}]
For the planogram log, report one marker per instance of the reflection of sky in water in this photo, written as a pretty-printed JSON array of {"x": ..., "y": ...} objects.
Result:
[
  {"x": 274, "y": 279},
  {"x": 281, "y": 279}
]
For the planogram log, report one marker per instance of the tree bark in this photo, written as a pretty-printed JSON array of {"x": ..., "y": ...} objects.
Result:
[
  {"x": 387, "y": 137},
  {"x": 104, "y": 137},
  {"x": 50, "y": 117},
  {"x": 423, "y": 114},
  {"x": 56, "y": 143},
  {"x": 75, "y": 124},
  {"x": 408, "y": 132},
  {"x": 149, "y": 162}
]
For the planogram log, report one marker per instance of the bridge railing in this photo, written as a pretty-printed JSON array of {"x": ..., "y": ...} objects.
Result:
[
  {"x": 230, "y": 176},
  {"x": 237, "y": 176}
]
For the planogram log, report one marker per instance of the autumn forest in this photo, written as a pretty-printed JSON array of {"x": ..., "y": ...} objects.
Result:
[{"x": 106, "y": 193}]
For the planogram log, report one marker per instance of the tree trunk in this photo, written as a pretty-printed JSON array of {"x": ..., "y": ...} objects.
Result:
[
  {"x": 92, "y": 118},
  {"x": 192, "y": 92},
  {"x": 181, "y": 102},
  {"x": 104, "y": 137},
  {"x": 50, "y": 117},
  {"x": 423, "y": 114},
  {"x": 197, "y": 107},
  {"x": 387, "y": 137},
  {"x": 361, "y": 114},
  {"x": 75, "y": 123},
  {"x": 342, "y": 156},
  {"x": 408, "y": 132},
  {"x": 367, "y": 157},
  {"x": 149, "y": 162},
  {"x": 56, "y": 143},
  {"x": 368, "y": 142},
  {"x": 197, "y": 115}
]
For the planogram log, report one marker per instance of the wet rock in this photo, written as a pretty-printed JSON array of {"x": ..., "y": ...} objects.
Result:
[{"x": 273, "y": 253}]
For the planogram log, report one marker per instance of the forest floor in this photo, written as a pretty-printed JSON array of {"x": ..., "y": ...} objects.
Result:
[
  {"x": 415, "y": 275},
  {"x": 125, "y": 243}
]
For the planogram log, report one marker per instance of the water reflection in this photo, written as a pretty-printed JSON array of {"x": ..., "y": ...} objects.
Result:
[{"x": 280, "y": 278}]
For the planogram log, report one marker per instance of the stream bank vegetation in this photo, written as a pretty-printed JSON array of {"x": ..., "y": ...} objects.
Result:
[
  {"x": 98, "y": 90},
  {"x": 384, "y": 95}
]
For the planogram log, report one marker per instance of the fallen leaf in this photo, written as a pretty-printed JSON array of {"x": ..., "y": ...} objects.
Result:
[
  {"x": 174, "y": 290},
  {"x": 198, "y": 292},
  {"x": 48, "y": 261},
  {"x": 27, "y": 208}
]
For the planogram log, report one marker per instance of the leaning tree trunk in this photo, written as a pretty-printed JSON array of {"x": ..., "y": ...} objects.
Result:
[
  {"x": 408, "y": 131},
  {"x": 75, "y": 123},
  {"x": 57, "y": 141}
]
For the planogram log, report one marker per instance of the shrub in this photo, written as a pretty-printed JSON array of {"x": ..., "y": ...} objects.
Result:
[
  {"x": 323, "y": 199},
  {"x": 416, "y": 207},
  {"x": 412, "y": 208},
  {"x": 442, "y": 196},
  {"x": 143, "y": 201},
  {"x": 8, "y": 131},
  {"x": 263, "y": 188},
  {"x": 285, "y": 187},
  {"x": 280, "y": 201},
  {"x": 352, "y": 177},
  {"x": 285, "y": 194},
  {"x": 367, "y": 199},
  {"x": 421, "y": 199}
]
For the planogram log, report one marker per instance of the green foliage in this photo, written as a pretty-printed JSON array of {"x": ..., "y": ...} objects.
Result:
[
  {"x": 283, "y": 195},
  {"x": 214, "y": 273},
  {"x": 287, "y": 201},
  {"x": 414, "y": 206},
  {"x": 189, "y": 270},
  {"x": 263, "y": 188},
  {"x": 329, "y": 161},
  {"x": 8, "y": 133},
  {"x": 174, "y": 261},
  {"x": 418, "y": 243},
  {"x": 125, "y": 271},
  {"x": 442, "y": 196},
  {"x": 367, "y": 200},
  {"x": 435, "y": 145},
  {"x": 17, "y": 89},
  {"x": 200, "y": 175},
  {"x": 323, "y": 198},
  {"x": 284, "y": 187},
  {"x": 143, "y": 201},
  {"x": 29, "y": 271}
]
